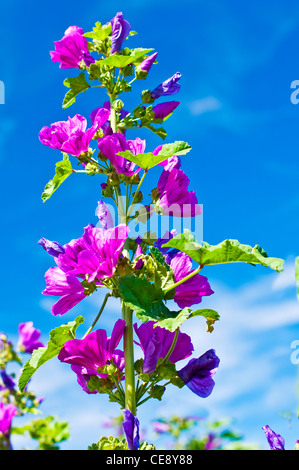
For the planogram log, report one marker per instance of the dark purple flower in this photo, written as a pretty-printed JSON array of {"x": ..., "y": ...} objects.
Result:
[
  {"x": 147, "y": 63},
  {"x": 168, "y": 87},
  {"x": 28, "y": 337},
  {"x": 191, "y": 291},
  {"x": 174, "y": 197},
  {"x": 155, "y": 343},
  {"x": 120, "y": 31},
  {"x": 197, "y": 374},
  {"x": 7, "y": 413},
  {"x": 131, "y": 430},
  {"x": 95, "y": 350},
  {"x": 111, "y": 145},
  {"x": 72, "y": 136},
  {"x": 276, "y": 441},
  {"x": 104, "y": 215},
  {"x": 7, "y": 380},
  {"x": 164, "y": 110},
  {"x": 167, "y": 252},
  {"x": 72, "y": 49},
  {"x": 52, "y": 248}
]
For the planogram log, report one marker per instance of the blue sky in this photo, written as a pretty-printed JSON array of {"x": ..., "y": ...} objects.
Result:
[{"x": 237, "y": 63}]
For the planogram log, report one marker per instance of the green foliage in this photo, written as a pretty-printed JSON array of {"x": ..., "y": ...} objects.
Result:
[
  {"x": 99, "y": 32},
  {"x": 47, "y": 431},
  {"x": 228, "y": 251},
  {"x": 133, "y": 56},
  {"x": 109, "y": 443},
  {"x": 77, "y": 85},
  {"x": 62, "y": 171},
  {"x": 175, "y": 322},
  {"x": 40, "y": 356},
  {"x": 149, "y": 160}
]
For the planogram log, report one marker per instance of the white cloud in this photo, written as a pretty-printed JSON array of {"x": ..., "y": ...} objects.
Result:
[{"x": 204, "y": 105}]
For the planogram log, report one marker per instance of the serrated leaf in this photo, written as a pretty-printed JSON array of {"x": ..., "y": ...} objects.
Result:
[
  {"x": 228, "y": 251},
  {"x": 149, "y": 160},
  {"x": 77, "y": 85},
  {"x": 99, "y": 32},
  {"x": 172, "y": 324},
  {"x": 62, "y": 171},
  {"x": 40, "y": 356},
  {"x": 120, "y": 61}
]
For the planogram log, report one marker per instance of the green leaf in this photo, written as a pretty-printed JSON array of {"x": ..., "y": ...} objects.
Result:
[
  {"x": 143, "y": 297},
  {"x": 175, "y": 322},
  {"x": 40, "y": 356},
  {"x": 297, "y": 274},
  {"x": 62, "y": 171},
  {"x": 228, "y": 251},
  {"x": 120, "y": 60},
  {"x": 99, "y": 32},
  {"x": 149, "y": 160},
  {"x": 77, "y": 85}
]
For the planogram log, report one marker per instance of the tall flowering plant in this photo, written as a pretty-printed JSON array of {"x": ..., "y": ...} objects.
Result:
[{"x": 144, "y": 272}]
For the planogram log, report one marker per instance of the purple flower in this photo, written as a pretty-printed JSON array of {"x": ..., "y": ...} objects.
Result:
[
  {"x": 72, "y": 136},
  {"x": 276, "y": 441},
  {"x": 131, "y": 430},
  {"x": 67, "y": 286},
  {"x": 160, "y": 427},
  {"x": 168, "y": 87},
  {"x": 164, "y": 110},
  {"x": 120, "y": 31},
  {"x": 52, "y": 248},
  {"x": 28, "y": 337},
  {"x": 111, "y": 145},
  {"x": 191, "y": 291},
  {"x": 104, "y": 215},
  {"x": 94, "y": 257},
  {"x": 7, "y": 413},
  {"x": 156, "y": 342},
  {"x": 147, "y": 63},
  {"x": 197, "y": 374},
  {"x": 167, "y": 252},
  {"x": 7, "y": 380},
  {"x": 95, "y": 350},
  {"x": 72, "y": 49},
  {"x": 174, "y": 197}
]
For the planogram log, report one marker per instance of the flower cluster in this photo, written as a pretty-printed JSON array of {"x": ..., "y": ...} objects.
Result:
[{"x": 106, "y": 257}]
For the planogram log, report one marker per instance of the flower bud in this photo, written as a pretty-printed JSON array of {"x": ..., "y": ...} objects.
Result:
[
  {"x": 147, "y": 96},
  {"x": 118, "y": 105}
]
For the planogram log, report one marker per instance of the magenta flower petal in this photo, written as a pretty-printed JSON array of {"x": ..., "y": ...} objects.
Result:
[
  {"x": 66, "y": 302},
  {"x": 28, "y": 337},
  {"x": 104, "y": 215},
  {"x": 147, "y": 63},
  {"x": 111, "y": 145},
  {"x": 52, "y": 248},
  {"x": 7, "y": 413},
  {"x": 72, "y": 49},
  {"x": 60, "y": 283}
]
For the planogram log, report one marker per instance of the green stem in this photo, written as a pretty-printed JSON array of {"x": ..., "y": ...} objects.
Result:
[
  {"x": 127, "y": 313},
  {"x": 98, "y": 315},
  {"x": 130, "y": 395},
  {"x": 136, "y": 194},
  {"x": 183, "y": 280}
]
